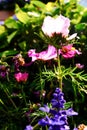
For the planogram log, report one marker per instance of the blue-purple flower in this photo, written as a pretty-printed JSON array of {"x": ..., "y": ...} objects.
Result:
[
  {"x": 28, "y": 127},
  {"x": 58, "y": 119}
]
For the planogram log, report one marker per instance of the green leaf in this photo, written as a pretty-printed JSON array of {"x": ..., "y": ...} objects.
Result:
[
  {"x": 68, "y": 104},
  {"x": 21, "y": 15},
  {"x": 8, "y": 53},
  {"x": 81, "y": 26},
  {"x": 84, "y": 16},
  {"x": 22, "y": 45},
  {"x": 11, "y": 36},
  {"x": 1, "y": 101},
  {"x": 38, "y": 4},
  {"x": 11, "y": 23},
  {"x": 2, "y": 29}
]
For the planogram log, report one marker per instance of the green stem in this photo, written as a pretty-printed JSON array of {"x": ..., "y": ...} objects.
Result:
[
  {"x": 7, "y": 93},
  {"x": 60, "y": 72},
  {"x": 23, "y": 93},
  {"x": 35, "y": 126},
  {"x": 46, "y": 127},
  {"x": 41, "y": 128}
]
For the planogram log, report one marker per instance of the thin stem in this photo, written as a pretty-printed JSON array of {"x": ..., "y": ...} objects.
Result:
[
  {"x": 60, "y": 71},
  {"x": 4, "y": 107},
  {"x": 35, "y": 126},
  {"x": 60, "y": 83},
  {"x": 23, "y": 93},
  {"x": 46, "y": 127},
  {"x": 7, "y": 93},
  {"x": 41, "y": 128},
  {"x": 34, "y": 119}
]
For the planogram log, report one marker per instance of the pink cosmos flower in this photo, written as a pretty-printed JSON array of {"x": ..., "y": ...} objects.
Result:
[
  {"x": 72, "y": 36},
  {"x": 79, "y": 66},
  {"x": 21, "y": 77},
  {"x": 57, "y": 25},
  {"x": 50, "y": 53},
  {"x": 69, "y": 51}
]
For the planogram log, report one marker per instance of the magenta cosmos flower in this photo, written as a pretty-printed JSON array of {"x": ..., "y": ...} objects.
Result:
[
  {"x": 69, "y": 51},
  {"x": 57, "y": 25},
  {"x": 21, "y": 77},
  {"x": 79, "y": 66},
  {"x": 50, "y": 53}
]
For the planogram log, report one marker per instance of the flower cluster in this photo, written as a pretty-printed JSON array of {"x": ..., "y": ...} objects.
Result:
[
  {"x": 67, "y": 51},
  {"x": 58, "y": 115}
]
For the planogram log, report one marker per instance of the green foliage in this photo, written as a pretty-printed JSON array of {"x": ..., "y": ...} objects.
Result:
[{"x": 18, "y": 102}]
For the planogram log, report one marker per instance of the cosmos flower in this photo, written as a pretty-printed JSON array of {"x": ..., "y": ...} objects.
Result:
[
  {"x": 50, "y": 53},
  {"x": 69, "y": 51},
  {"x": 21, "y": 77},
  {"x": 79, "y": 66},
  {"x": 57, "y": 25}
]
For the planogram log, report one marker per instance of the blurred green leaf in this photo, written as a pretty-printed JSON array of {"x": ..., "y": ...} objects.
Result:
[
  {"x": 8, "y": 53},
  {"x": 22, "y": 45},
  {"x": 80, "y": 26},
  {"x": 84, "y": 16},
  {"x": 11, "y": 23},
  {"x": 38, "y": 4},
  {"x": 11, "y": 36},
  {"x": 1, "y": 101},
  {"x": 21, "y": 15},
  {"x": 68, "y": 104},
  {"x": 2, "y": 29}
]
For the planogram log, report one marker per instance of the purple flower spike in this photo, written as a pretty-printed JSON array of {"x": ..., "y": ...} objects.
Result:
[
  {"x": 58, "y": 100},
  {"x": 58, "y": 119}
]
